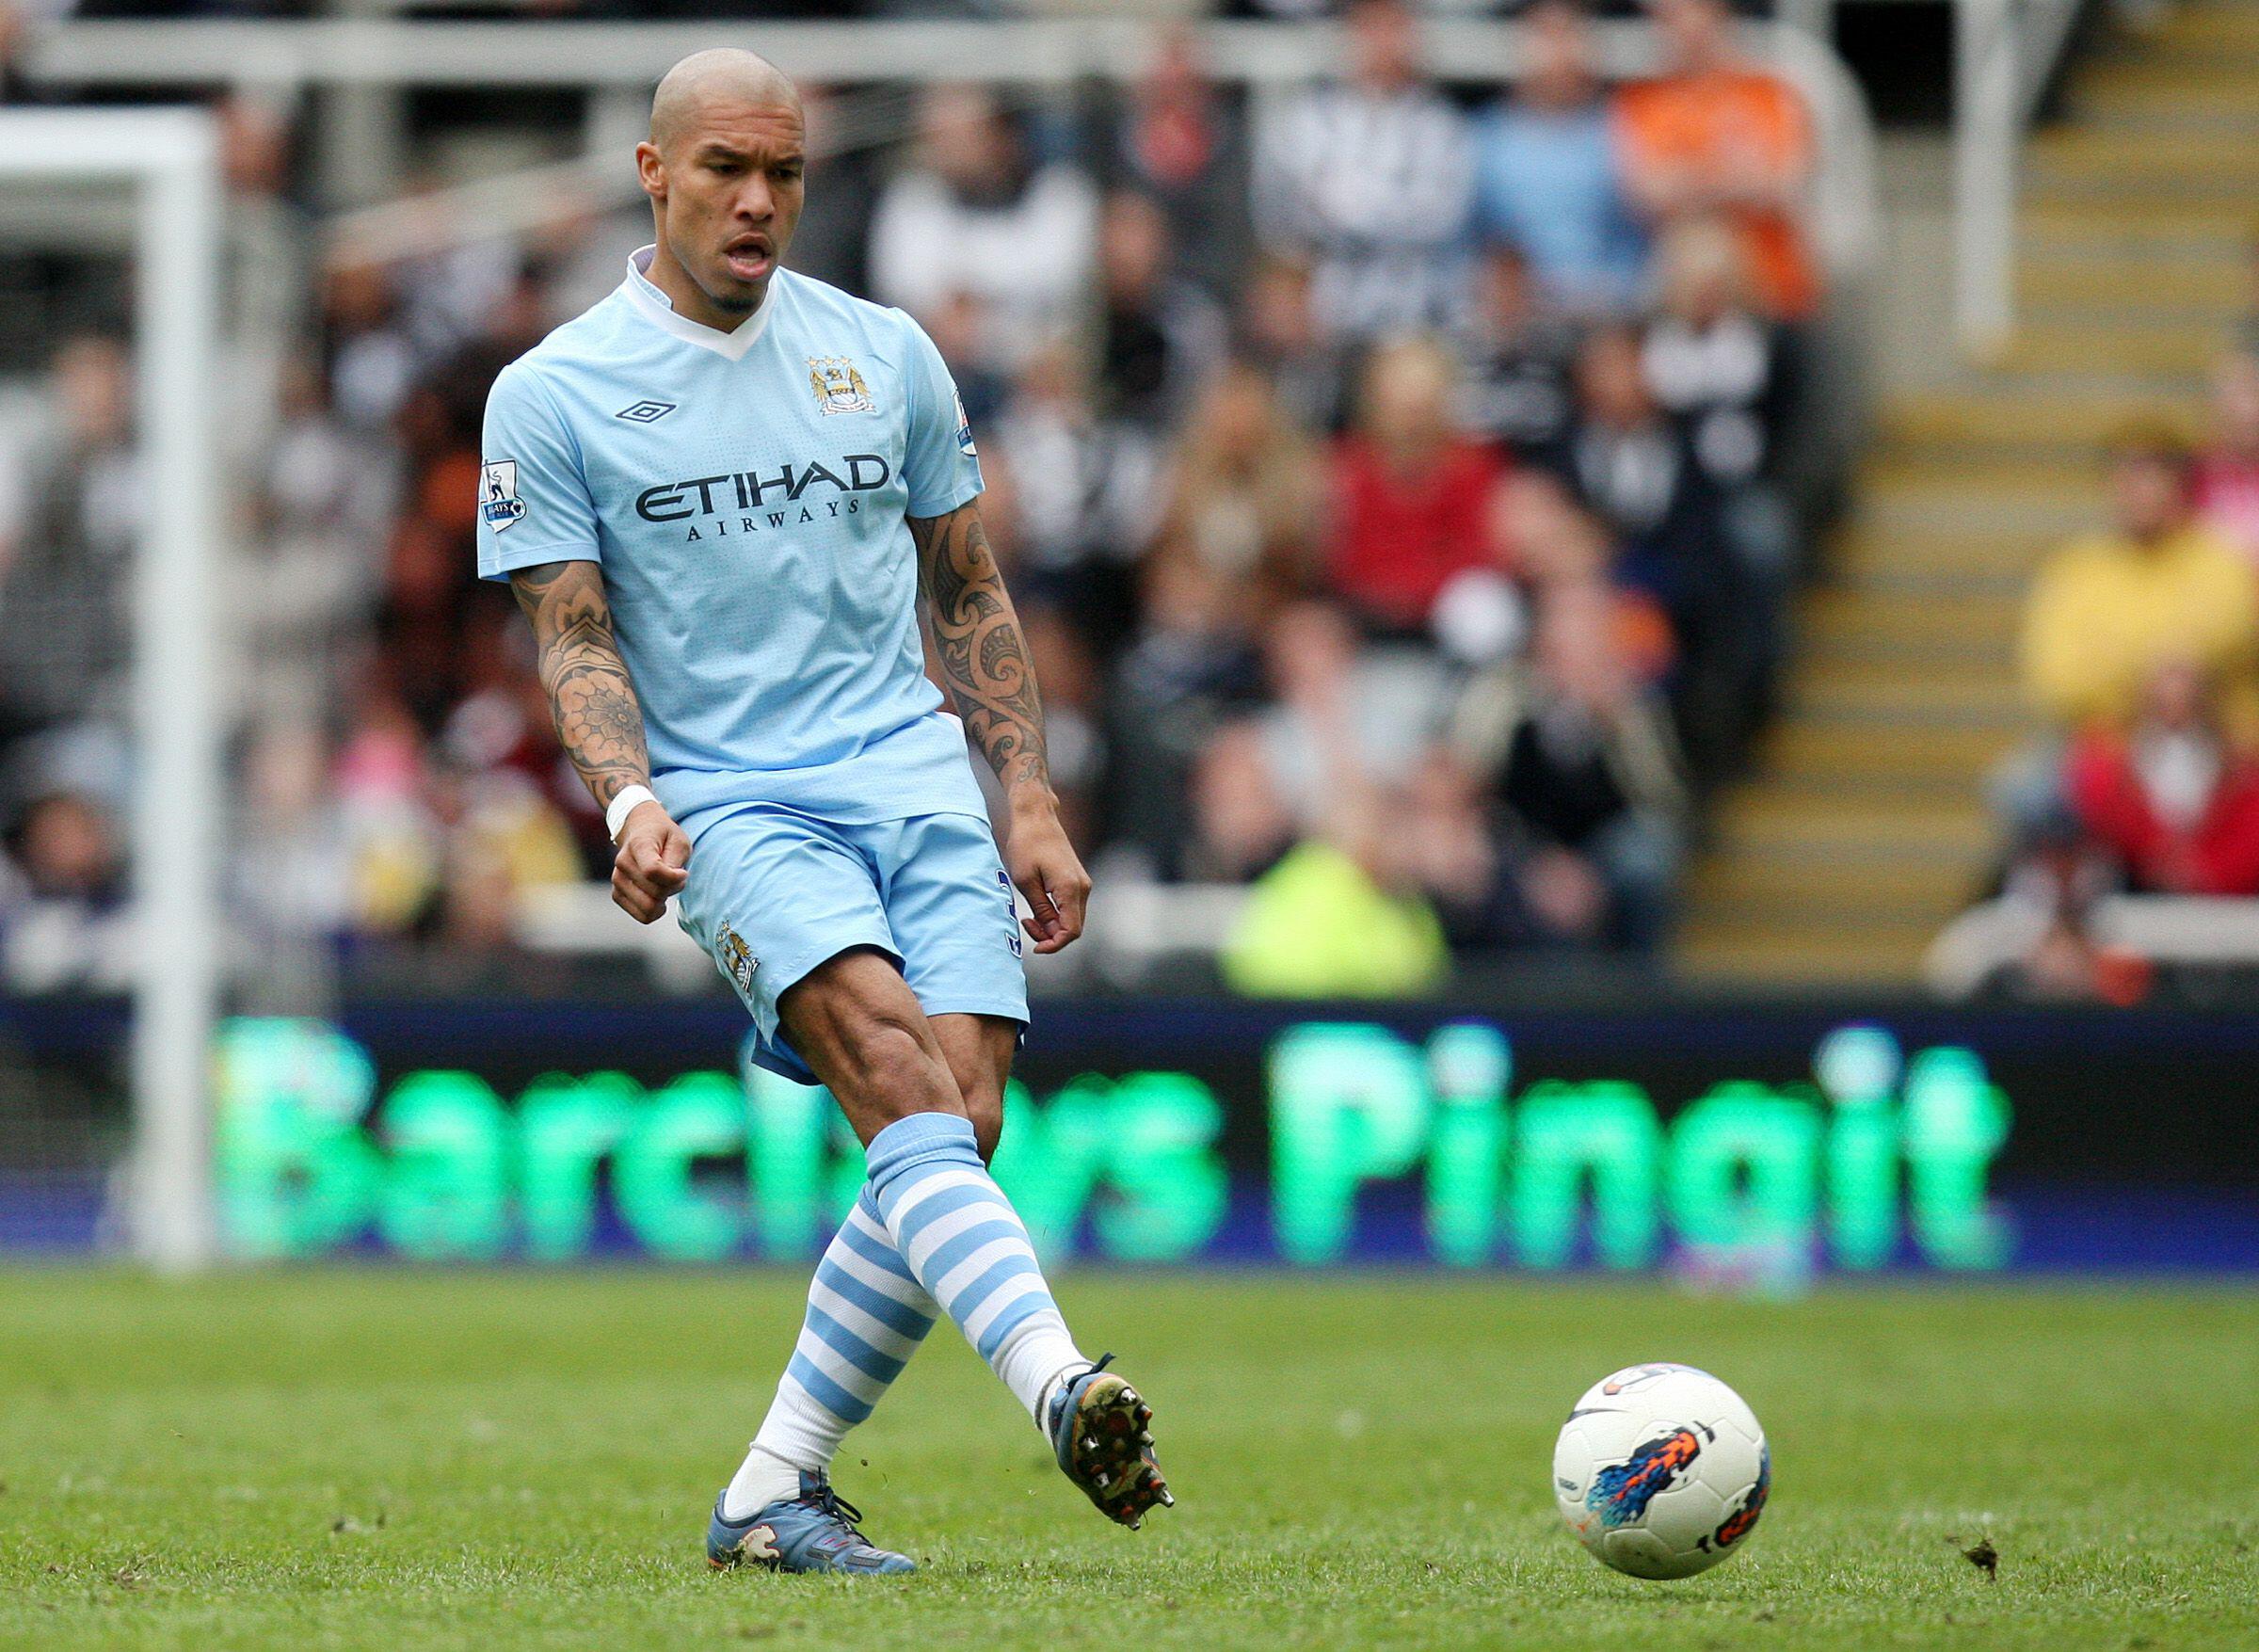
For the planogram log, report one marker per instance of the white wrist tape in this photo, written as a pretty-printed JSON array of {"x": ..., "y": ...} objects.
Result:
[{"x": 626, "y": 803}]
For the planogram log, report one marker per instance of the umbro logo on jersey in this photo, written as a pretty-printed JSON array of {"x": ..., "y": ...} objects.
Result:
[{"x": 645, "y": 413}]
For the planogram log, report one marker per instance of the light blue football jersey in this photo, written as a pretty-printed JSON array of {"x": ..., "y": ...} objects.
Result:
[{"x": 745, "y": 493}]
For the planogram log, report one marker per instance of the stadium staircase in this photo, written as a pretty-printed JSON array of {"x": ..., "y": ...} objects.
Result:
[{"x": 1866, "y": 827}]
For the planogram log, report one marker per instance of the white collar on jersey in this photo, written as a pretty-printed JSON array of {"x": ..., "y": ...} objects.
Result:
[{"x": 644, "y": 294}]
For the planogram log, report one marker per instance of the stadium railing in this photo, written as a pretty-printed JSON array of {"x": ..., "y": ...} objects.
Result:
[
  {"x": 2193, "y": 932},
  {"x": 290, "y": 57}
]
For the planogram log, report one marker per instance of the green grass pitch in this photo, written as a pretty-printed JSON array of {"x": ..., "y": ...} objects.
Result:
[{"x": 374, "y": 1458}]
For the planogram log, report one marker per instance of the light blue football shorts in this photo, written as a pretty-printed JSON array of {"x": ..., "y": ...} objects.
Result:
[{"x": 772, "y": 893}]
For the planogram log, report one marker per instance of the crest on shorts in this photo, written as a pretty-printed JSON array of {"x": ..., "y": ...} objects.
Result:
[
  {"x": 738, "y": 961},
  {"x": 1011, "y": 912},
  {"x": 498, "y": 500},
  {"x": 840, "y": 389}
]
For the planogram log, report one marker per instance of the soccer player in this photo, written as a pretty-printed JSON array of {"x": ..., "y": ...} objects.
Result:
[{"x": 718, "y": 496}]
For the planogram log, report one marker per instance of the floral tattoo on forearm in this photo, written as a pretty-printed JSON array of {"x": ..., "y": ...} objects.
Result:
[
  {"x": 600, "y": 722},
  {"x": 984, "y": 658}
]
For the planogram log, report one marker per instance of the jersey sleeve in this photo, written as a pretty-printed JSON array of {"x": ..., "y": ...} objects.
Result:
[
  {"x": 940, "y": 465},
  {"x": 533, "y": 504}
]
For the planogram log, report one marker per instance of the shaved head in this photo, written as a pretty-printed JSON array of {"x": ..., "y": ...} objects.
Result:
[
  {"x": 710, "y": 82},
  {"x": 724, "y": 168}
]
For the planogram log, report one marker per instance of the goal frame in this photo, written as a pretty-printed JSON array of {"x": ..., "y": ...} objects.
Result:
[{"x": 168, "y": 159}]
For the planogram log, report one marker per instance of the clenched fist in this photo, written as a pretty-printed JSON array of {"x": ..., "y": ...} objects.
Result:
[{"x": 653, "y": 863}]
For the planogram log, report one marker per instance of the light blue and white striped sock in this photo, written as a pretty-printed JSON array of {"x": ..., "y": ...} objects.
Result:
[
  {"x": 866, "y": 1315},
  {"x": 965, "y": 1245}
]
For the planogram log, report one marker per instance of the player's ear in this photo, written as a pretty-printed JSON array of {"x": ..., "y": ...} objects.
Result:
[{"x": 650, "y": 170}]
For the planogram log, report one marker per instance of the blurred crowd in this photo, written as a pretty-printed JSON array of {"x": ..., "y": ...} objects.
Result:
[
  {"x": 2139, "y": 648},
  {"x": 1402, "y": 491}
]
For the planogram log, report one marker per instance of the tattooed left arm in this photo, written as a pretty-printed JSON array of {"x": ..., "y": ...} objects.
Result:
[{"x": 989, "y": 678}]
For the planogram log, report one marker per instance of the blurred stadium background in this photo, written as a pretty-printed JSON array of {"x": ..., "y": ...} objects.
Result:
[{"x": 1649, "y": 620}]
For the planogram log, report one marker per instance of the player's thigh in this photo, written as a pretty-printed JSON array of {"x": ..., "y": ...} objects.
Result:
[
  {"x": 854, "y": 1021},
  {"x": 772, "y": 895},
  {"x": 979, "y": 1049},
  {"x": 950, "y": 906}
]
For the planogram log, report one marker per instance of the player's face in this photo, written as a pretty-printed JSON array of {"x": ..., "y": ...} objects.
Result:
[{"x": 732, "y": 191}]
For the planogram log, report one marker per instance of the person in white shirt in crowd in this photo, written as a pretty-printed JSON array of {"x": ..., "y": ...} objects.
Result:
[
  {"x": 1727, "y": 374},
  {"x": 1372, "y": 179},
  {"x": 977, "y": 215}
]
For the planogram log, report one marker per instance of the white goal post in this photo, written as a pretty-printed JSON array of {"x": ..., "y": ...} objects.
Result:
[{"x": 168, "y": 159}]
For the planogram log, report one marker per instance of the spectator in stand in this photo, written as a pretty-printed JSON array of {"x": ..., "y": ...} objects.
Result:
[
  {"x": 1548, "y": 177},
  {"x": 2227, "y": 475},
  {"x": 1278, "y": 333},
  {"x": 1519, "y": 355},
  {"x": 1725, "y": 373},
  {"x": 1342, "y": 913},
  {"x": 2172, "y": 799},
  {"x": 1371, "y": 180},
  {"x": 1714, "y": 133},
  {"x": 1580, "y": 756},
  {"x": 449, "y": 295},
  {"x": 371, "y": 364},
  {"x": 1630, "y": 463},
  {"x": 323, "y": 501},
  {"x": 1412, "y": 497},
  {"x": 2109, "y": 610},
  {"x": 978, "y": 214},
  {"x": 1236, "y": 541},
  {"x": 391, "y": 839},
  {"x": 65, "y": 920},
  {"x": 1191, "y": 667},
  {"x": 288, "y": 875},
  {"x": 1714, "y": 362},
  {"x": 1245, "y": 491},
  {"x": 1242, "y": 825},
  {"x": 1159, "y": 335},
  {"x": 832, "y": 240},
  {"x": 1549, "y": 538},
  {"x": 1442, "y": 841},
  {"x": 499, "y": 837},
  {"x": 430, "y": 593},
  {"x": 1349, "y": 719},
  {"x": 65, "y": 642},
  {"x": 268, "y": 251},
  {"x": 1082, "y": 496},
  {"x": 1633, "y": 466},
  {"x": 1074, "y": 729},
  {"x": 1177, "y": 141},
  {"x": 957, "y": 329}
]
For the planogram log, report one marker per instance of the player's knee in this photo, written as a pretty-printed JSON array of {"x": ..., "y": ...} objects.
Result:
[
  {"x": 985, "y": 1109},
  {"x": 895, "y": 1073}
]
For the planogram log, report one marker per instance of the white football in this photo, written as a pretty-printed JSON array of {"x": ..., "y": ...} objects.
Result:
[{"x": 1662, "y": 1470}]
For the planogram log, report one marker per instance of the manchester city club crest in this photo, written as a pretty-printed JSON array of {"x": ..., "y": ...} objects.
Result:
[
  {"x": 738, "y": 961},
  {"x": 840, "y": 389}
]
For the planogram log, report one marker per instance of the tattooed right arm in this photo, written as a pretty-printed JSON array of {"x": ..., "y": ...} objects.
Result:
[
  {"x": 600, "y": 723},
  {"x": 598, "y": 719}
]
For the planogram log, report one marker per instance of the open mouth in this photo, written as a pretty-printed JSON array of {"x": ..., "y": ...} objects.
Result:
[{"x": 749, "y": 258}]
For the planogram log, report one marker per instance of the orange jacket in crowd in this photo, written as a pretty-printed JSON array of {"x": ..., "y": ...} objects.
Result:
[{"x": 1725, "y": 123}]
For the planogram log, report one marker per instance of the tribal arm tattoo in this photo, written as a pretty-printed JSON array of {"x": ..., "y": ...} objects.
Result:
[
  {"x": 598, "y": 719},
  {"x": 983, "y": 659}
]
